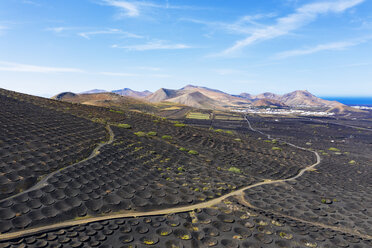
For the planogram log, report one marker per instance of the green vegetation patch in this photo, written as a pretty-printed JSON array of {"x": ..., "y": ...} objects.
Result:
[
  {"x": 193, "y": 152},
  {"x": 126, "y": 126},
  {"x": 275, "y": 148},
  {"x": 183, "y": 149},
  {"x": 198, "y": 115},
  {"x": 179, "y": 125},
  {"x": 166, "y": 137},
  {"x": 333, "y": 149},
  {"x": 234, "y": 170},
  {"x": 116, "y": 111},
  {"x": 140, "y": 134},
  {"x": 152, "y": 133}
]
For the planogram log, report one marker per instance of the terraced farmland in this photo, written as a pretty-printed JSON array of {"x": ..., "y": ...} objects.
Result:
[{"x": 151, "y": 182}]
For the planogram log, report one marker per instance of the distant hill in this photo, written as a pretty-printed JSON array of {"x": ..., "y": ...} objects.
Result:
[
  {"x": 342, "y": 109},
  {"x": 305, "y": 98},
  {"x": 95, "y": 91},
  {"x": 195, "y": 99},
  {"x": 63, "y": 95},
  {"x": 162, "y": 95},
  {"x": 132, "y": 93},
  {"x": 196, "y": 96},
  {"x": 298, "y": 98},
  {"x": 268, "y": 103}
]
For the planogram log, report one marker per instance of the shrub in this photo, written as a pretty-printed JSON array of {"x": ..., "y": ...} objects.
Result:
[
  {"x": 352, "y": 162},
  {"x": 140, "y": 134},
  {"x": 183, "y": 149},
  {"x": 333, "y": 149},
  {"x": 179, "y": 125},
  {"x": 152, "y": 133},
  {"x": 193, "y": 152},
  {"x": 126, "y": 126},
  {"x": 239, "y": 140},
  {"x": 116, "y": 111},
  {"x": 235, "y": 170},
  {"x": 229, "y": 132},
  {"x": 166, "y": 137},
  {"x": 275, "y": 148}
]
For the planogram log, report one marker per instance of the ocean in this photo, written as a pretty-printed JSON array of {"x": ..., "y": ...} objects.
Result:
[{"x": 352, "y": 101}]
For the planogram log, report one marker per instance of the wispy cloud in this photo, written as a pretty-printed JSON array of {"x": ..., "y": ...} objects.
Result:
[
  {"x": 88, "y": 35},
  {"x": 134, "y": 8},
  {"x": 16, "y": 67},
  {"x": 125, "y": 74},
  {"x": 127, "y": 8},
  {"x": 31, "y": 3},
  {"x": 2, "y": 28},
  {"x": 335, "y": 46},
  {"x": 284, "y": 25},
  {"x": 244, "y": 25},
  {"x": 118, "y": 74},
  {"x": 148, "y": 68},
  {"x": 154, "y": 45},
  {"x": 59, "y": 30}
]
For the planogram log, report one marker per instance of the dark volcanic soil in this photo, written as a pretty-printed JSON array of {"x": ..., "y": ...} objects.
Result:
[{"x": 159, "y": 164}]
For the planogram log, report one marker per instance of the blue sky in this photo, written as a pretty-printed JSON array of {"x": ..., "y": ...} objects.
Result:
[{"x": 324, "y": 46}]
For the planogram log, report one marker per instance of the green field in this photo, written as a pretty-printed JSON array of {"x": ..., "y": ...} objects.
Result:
[{"x": 197, "y": 115}]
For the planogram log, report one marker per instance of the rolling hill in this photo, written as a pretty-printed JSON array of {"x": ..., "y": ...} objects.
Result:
[{"x": 132, "y": 93}]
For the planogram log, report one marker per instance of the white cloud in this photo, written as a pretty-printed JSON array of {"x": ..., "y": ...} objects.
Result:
[
  {"x": 147, "y": 68},
  {"x": 59, "y": 30},
  {"x": 124, "y": 74},
  {"x": 239, "y": 26},
  {"x": 2, "y": 28},
  {"x": 319, "y": 48},
  {"x": 299, "y": 18},
  {"x": 15, "y": 67},
  {"x": 134, "y": 8},
  {"x": 154, "y": 45},
  {"x": 130, "y": 9},
  {"x": 118, "y": 74},
  {"x": 88, "y": 35},
  {"x": 31, "y": 3}
]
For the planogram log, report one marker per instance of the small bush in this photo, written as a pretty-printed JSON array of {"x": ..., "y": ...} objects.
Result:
[
  {"x": 229, "y": 132},
  {"x": 152, "y": 133},
  {"x": 183, "y": 149},
  {"x": 235, "y": 170},
  {"x": 126, "y": 126},
  {"x": 352, "y": 162},
  {"x": 140, "y": 134},
  {"x": 116, "y": 111},
  {"x": 275, "y": 148},
  {"x": 179, "y": 125},
  {"x": 193, "y": 152},
  {"x": 166, "y": 137},
  {"x": 333, "y": 149},
  {"x": 239, "y": 140}
]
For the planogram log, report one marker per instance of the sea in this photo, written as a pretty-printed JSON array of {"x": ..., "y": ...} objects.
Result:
[{"x": 352, "y": 101}]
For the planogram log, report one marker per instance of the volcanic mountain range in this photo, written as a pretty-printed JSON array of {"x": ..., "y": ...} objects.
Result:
[{"x": 206, "y": 98}]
